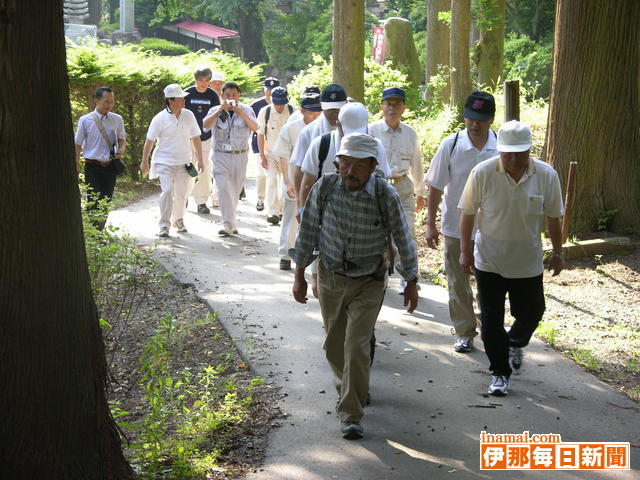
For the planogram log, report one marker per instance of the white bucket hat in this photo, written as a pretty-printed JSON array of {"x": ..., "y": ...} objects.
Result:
[{"x": 359, "y": 145}]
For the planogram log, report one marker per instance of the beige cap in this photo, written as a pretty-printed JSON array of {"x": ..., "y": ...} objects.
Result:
[{"x": 358, "y": 145}]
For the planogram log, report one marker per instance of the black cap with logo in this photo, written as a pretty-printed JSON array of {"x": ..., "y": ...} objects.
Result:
[{"x": 480, "y": 106}]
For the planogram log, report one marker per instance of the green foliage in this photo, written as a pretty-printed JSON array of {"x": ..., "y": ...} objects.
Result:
[
  {"x": 533, "y": 19},
  {"x": 138, "y": 78},
  {"x": 484, "y": 15},
  {"x": 162, "y": 46},
  {"x": 413, "y": 10},
  {"x": 604, "y": 219},
  {"x": 530, "y": 62}
]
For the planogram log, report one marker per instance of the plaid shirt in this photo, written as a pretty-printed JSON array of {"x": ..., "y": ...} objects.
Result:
[{"x": 352, "y": 240}]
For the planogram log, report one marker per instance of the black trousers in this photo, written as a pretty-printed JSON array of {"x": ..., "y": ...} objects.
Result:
[
  {"x": 101, "y": 182},
  {"x": 526, "y": 299}
]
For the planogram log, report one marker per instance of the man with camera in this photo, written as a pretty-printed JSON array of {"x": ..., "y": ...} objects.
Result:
[
  {"x": 232, "y": 124},
  {"x": 174, "y": 129},
  {"x": 101, "y": 137}
]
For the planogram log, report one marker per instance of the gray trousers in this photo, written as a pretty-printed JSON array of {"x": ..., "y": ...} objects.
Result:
[{"x": 463, "y": 318}]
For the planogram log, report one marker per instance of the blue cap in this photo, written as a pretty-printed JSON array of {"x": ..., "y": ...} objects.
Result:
[
  {"x": 333, "y": 96},
  {"x": 271, "y": 82},
  {"x": 311, "y": 102},
  {"x": 393, "y": 92},
  {"x": 279, "y": 96}
]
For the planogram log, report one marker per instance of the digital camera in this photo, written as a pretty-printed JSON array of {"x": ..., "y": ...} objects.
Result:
[{"x": 231, "y": 103}]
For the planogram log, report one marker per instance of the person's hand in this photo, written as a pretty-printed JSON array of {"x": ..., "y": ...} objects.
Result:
[
  {"x": 556, "y": 264},
  {"x": 200, "y": 166},
  {"x": 144, "y": 167},
  {"x": 411, "y": 296},
  {"x": 466, "y": 262},
  {"x": 419, "y": 204},
  {"x": 291, "y": 190},
  {"x": 433, "y": 236},
  {"x": 300, "y": 289},
  {"x": 120, "y": 153},
  {"x": 263, "y": 161}
]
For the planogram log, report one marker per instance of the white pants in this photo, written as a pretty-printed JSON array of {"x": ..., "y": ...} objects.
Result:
[
  {"x": 404, "y": 187},
  {"x": 175, "y": 183},
  {"x": 289, "y": 225},
  {"x": 202, "y": 185},
  {"x": 274, "y": 184},
  {"x": 261, "y": 177},
  {"x": 229, "y": 171}
]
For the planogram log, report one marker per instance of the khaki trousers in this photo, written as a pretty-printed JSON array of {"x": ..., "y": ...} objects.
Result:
[
  {"x": 203, "y": 186},
  {"x": 463, "y": 318},
  {"x": 404, "y": 187},
  {"x": 349, "y": 311}
]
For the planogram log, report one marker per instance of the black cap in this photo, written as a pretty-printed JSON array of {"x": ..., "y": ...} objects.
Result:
[
  {"x": 333, "y": 96},
  {"x": 393, "y": 92},
  {"x": 480, "y": 106},
  {"x": 312, "y": 89},
  {"x": 271, "y": 82},
  {"x": 311, "y": 102}
]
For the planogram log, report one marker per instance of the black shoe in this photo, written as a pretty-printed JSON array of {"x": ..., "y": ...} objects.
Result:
[
  {"x": 260, "y": 205},
  {"x": 351, "y": 430},
  {"x": 285, "y": 264},
  {"x": 202, "y": 208},
  {"x": 242, "y": 194},
  {"x": 368, "y": 400},
  {"x": 273, "y": 219}
]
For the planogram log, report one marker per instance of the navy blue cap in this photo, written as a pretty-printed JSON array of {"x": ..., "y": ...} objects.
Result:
[
  {"x": 312, "y": 89},
  {"x": 271, "y": 82},
  {"x": 311, "y": 102},
  {"x": 279, "y": 96},
  {"x": 333, "y": 96},
  {"x": 393, "y": 92}
]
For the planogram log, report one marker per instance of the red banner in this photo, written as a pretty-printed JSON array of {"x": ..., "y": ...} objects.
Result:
[{"x": 378, "y": 45}]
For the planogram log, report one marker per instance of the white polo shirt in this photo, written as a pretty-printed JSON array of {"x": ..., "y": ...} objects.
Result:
[
  {"x": 174, "y": 136},
  {"x": 276, "y": 121},
  {"x": 316, "y": 128},
  {"x": 287, "y": 138},
  {"x": 402, "y": 148},
  {"x": 311, "y": 162},
  {"x": 448, "y": 173},
  {"x": 510, "y": 216}
]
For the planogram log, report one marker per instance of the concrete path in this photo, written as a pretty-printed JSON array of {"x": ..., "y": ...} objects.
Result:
[{"x": 428, "y": 406}]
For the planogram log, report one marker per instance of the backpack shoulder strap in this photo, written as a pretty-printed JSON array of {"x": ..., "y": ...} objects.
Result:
[
  {"x": 325, "y": 143},
  {"x": 267, "y": 115},
  {"x": 381, "y": 202},
  {"x": 455, "y": 141},
  {"x": 329, "y": 181},
  {"x": 290, "y": 108}
]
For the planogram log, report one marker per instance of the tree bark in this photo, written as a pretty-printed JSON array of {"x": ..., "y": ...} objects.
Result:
[
  {"x": 95, "y": 12},
  {"x": 461, "y": 74},
  {"x": 56, "y": 421},
  {"x": 595, "y": 109},
  {"x": 490, "y": 49},
  {"x": 437, "y": 44},
  {"x": 348, "y": 46},
  {"x": 250, "y": 29}
]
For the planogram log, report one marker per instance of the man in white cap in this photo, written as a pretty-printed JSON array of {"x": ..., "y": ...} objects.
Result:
[
  {"x": 350, "y": 218},
  {"x": 320, "y": 157},
  {"x": 175, "y": 130},
  {"x": 216, "y": 82},
  {"x": 510, "y": 194}
]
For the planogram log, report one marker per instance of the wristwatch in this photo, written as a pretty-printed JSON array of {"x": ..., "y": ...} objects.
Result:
[{"x": 558, "y": 255}]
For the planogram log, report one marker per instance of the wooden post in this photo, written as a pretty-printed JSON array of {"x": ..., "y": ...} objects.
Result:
[
  {"x": 512, "y": 100},
  {"x": 568, "y": 201}
]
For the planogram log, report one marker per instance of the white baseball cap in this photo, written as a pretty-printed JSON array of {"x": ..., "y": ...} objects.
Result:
[
  {"x": 353, "y": 117},
  {"x": 174, "y": 91},
  {"x": 514, "y": 136},
  {"x": 217, "y": 77},
  {"x": 359, "y": 145}
]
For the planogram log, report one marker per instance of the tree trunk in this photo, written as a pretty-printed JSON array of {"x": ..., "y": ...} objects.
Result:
[
  {"x": 250, "y": 29},
  {"x": 400, "y": 49},
  {"x": 56, "y": 422},
  {"x": 490, "y": 49},
  {"x": 460, "y": 75},
  {"x": 95, "y": 12},
  {"x": 348, "y": 46},
  {"x": 437, "y": 44},
  {"x": 595, "y": 109}
]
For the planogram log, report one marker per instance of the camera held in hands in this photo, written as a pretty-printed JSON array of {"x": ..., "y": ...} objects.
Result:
[{"x": 231, "y": 103}]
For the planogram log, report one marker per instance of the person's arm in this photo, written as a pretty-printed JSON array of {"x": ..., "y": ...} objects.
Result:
[
  {"x": 556, "y": 262},
  {"x": 432, "y": 211},
  {"x": 250, "y": 120},
  {"x": 122, "y": 145},
  {"x": 78, "y": 150},
  {"x": 466, "y": 255},
  {"x": 300, "y": 286},
  {"x": 213, "y": 114},
  {"x": 146, "y": 151},
  {"x": 284, "y": 165},
  {"x": 263, "y": 157},
  {"x": 305, "y": 187},
  {"x": 197, "y": 144}
]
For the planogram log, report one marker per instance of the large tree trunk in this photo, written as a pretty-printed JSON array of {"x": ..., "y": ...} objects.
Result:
[
  {"x": 55, "y": 417},
  {"x": 348, "y": 46},
  {"x": 461, "y": 74},
  {"x": 250, "y": 29},
  {"x": 595, "y": 110},
  {"x": 95, "y": 12},
  {"x": 437, "y": 44},
  {"x": 490, "y": 48}
]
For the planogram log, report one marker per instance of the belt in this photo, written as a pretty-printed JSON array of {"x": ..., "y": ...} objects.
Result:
[
  {"x": 396, "y": 179},
  {"x": 233, "y": 152},
  {"x": 97, "y": 162}
]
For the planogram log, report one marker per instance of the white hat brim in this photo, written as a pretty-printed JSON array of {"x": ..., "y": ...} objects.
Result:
[
  {"x": 332, "y": 105},
  {"x": 513, "y": 148}
]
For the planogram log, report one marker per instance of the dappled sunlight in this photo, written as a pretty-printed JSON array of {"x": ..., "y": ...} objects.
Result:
[{"x": 452, "y": 463}]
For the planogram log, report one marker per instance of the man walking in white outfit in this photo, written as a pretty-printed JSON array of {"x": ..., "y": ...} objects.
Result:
[
  {"x": 231, "y": 124},
  {"x": 174, "y": 128}
]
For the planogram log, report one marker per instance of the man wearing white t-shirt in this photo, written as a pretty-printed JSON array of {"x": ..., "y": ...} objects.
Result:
[
  {"x": 174, "y": 129},
  {"x": 448, "y": 172},
  {"x": 511, "y": 195}
]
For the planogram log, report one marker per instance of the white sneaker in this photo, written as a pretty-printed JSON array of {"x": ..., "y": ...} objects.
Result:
[
  {"x": 516, "y": 356},
  {"x": 463, "y": 344},
  {"x": 179, "y": 225},
  {"x": 225, "y": 232},
  {"x": 499, "y": 386},
  {"x": 164, "y": 232},
  {"x": 403, "y": 285}
]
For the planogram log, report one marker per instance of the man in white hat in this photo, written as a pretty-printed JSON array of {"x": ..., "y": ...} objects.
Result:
[
  {"x": 175, "y": 130},
  {"x": 510, "y": 194},
  {"x": 359, "y": 213},
  {"x": 216, "y": 82}
]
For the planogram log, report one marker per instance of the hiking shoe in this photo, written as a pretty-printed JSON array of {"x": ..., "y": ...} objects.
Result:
[
  {"x": 243, "y": 195},
  {"x": 285, "y": 264},
  {"x": 164, "y": 232},
  {"x": 273, "y": 219},
  {"x": 225, "y": 232},
  {"x": 351, "y": 430},
  {"x": 463, "y": 344},
  {"x": 260, "y": 205},
  {"x": 499, "y": 386},
  {"x": 516, "y": 355},
  {"x": 234, "y": 231},
  {"x": 202, "y": 208},
  {"x": 179, "y": 224}
]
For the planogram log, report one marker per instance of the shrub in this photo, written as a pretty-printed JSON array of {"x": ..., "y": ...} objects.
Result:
[
  {"x": 530, "y": 62},
  {"x": 163, "y": 47}
]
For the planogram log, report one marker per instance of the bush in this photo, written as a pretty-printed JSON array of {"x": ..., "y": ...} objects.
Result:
[
  {"x": 163, "y": 47},
  {"x": 530, "y": 62},
  {"x": 138, "y": 78}
]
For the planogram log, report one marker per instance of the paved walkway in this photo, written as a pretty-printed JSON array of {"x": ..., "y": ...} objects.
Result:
[{"x": 428, "y": 405}]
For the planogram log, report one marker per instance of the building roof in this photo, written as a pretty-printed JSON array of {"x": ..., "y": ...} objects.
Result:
[{"x": 206, "y": 29}]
